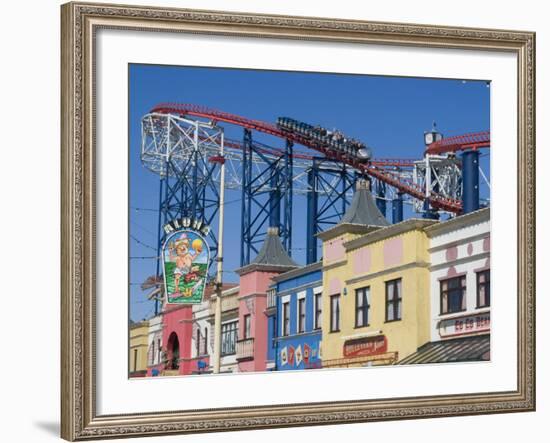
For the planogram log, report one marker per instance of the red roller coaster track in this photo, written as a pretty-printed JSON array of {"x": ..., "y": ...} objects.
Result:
[
  {"x": 457, "y": 143},
  {"x": 374, "y": 168}
]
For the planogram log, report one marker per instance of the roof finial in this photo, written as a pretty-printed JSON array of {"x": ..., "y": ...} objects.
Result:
[
  {"x": 273, "y": 230},
  {"x": 362, "y": 183}
]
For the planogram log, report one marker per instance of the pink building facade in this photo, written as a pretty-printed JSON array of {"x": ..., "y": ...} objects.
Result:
[
  {"x": 255, "y": 280},
  {"x": 177, "y": 333}
]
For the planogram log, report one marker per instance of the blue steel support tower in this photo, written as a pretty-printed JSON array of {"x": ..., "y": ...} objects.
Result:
[
  {"x": 263, "y": 193},
  {"x": 381, "y": 196},
  {"x": 470, "y": 181},
  {"x": 397, "y": 208},
  {"x": 329, "y": 193}
]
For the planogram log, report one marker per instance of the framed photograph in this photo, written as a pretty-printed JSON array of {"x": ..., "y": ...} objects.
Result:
[{"x": 277, "y": 221}]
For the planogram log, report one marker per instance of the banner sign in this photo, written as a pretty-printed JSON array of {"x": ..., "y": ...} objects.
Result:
[
  {"x": 185, "y": 258},
  {"x": 366, "y": 346},
  {"x": 469, "y": 324}
]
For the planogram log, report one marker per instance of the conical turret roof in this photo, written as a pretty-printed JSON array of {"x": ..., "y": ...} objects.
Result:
[
  {"x": 363, "y": 209},
  {"x": 271, "y": 257},
  {"x": 362, "y": 216}
]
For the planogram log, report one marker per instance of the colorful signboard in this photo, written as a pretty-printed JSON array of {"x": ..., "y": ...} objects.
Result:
[
  {"x": 185, "y": 258},
  {"x": 465, "y": 325},
  {"x": 303, "y": 353},
  {"x": 366, "y": 346}
]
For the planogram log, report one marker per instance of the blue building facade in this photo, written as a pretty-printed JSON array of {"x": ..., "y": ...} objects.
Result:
[{"x": 294, "y": 319}]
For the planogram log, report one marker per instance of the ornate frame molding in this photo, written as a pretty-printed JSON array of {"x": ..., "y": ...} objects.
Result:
[{"x": 78, "y": 412}]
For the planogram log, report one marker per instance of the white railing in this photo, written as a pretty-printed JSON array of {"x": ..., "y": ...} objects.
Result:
[{"x": 245, "y": 349}]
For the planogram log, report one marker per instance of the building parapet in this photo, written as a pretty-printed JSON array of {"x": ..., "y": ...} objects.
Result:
[
  {"x": 229, "y": 303},
  {"x": 346, "y": 228},
  {"x": 390, "y": 231},
  {"x": 453, "y": 224},
  {"x": 317, "y": 266}
]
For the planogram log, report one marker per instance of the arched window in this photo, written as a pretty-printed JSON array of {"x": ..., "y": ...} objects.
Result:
[{"x": 173, "y": 351}]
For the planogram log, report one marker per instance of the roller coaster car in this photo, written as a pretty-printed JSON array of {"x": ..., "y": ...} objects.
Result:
[
  {"x": 335, "y": 140},
  {"x": 364, "y": 153}
]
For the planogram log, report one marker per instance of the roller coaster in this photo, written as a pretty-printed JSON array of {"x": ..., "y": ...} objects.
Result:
[{"x": 185, "y": 144}]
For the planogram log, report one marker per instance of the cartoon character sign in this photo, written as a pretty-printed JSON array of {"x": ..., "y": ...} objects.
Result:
[{"x": 185, "y": 265}]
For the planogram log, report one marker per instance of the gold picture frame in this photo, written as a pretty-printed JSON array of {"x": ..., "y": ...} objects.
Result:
[{"x": 80, "y": 21}]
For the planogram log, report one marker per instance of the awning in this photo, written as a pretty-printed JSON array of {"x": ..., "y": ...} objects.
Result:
[{"x": 477, "y": 348}]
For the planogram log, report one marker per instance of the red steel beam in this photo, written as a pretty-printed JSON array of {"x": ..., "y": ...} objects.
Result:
[
  {"x": 436, "y": 200},
  {"x": 476, "y": 140}
]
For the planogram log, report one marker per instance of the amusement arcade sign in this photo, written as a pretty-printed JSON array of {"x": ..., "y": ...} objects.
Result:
[{"x": 185, "y": 258}]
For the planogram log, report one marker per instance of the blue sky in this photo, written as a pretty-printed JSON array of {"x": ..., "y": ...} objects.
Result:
[{"x": 390, "y": 114}]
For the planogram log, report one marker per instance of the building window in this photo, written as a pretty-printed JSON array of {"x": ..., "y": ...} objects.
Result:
[
  {"x": 483, "y": 289},
  {"x": 246, "y": 326},
  {"x": 229, "y": 337},
  {"x": 334, "y": 313},
  {"x": 205, "y": 341},
  {"x": 301, "y": 315},
  {"x": 362, "y": 305},
  {"x": 286, "y": 318},
  {"x": 135, "y": 359},
  {"x": 159, "y": 351},
  {"x": 317, "y": 307},
  {"x": 198, "y": 341},
  {"x": 453, "y": 295},
  {"x": 393, "y": 300},
  {"x": 153, "y": 352}
]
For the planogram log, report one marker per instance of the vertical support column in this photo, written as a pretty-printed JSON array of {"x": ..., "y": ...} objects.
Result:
[
  {"x": 161, "y": 237},
  {"x": 470, "y": 181},
  {"x": 312, "y": 208},
  {"x": 397, "y": 208},
  {"x": 245, "y": 197},
  {"x": 219, "y": 271},
  {"x": 275, "y": 199},
  {"x": 194, "y": 190},
  {"x": 429, "y": 213},
  {"x": 286, "y": 236},
  {"x": 381, "y": 196}
]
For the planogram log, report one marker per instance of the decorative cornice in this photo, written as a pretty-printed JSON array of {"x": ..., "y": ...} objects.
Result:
[
  {"x": 345, "y": 228},
  {"x": 260, "y": 267},
  {"x": 410, "y": 224},
  {"x": 362, "y": 277},
  {"x": 317, "y": 266},
  {"x": 460, "y": 261},
  {"x": 480, "y": 216}
]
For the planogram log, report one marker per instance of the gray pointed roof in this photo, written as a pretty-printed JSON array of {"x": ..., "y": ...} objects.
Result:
[
  {"x": 362, "y": 216},
  {"x": 271, "y": 257},
  {"x": 363, "y": 209}
]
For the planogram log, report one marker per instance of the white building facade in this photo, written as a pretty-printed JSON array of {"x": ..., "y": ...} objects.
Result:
[
  {"x": 460, "y": 256},
  {"x": 202, "y": 341},
  {"x": 154, "y": 352},
  {"x": 460, "y": 290}
]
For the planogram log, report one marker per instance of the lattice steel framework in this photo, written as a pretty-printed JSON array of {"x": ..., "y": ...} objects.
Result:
[
  {"x": 266, "y": 189},
  {"x": 185, "y": 154},
  {"x": 441, "y": 174},
  {"x": 181, "y": 143},
  {"x": 330, "y": 191}
]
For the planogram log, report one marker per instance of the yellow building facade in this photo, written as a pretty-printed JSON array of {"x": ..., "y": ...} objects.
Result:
[
  {"x": 376, "y": 293},
  {"x": 139, "y": 333}
]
